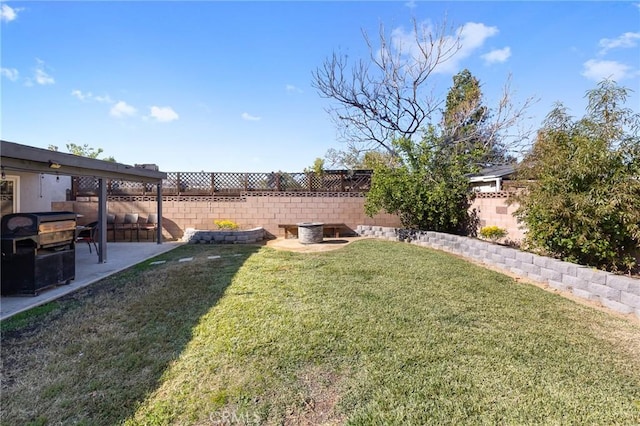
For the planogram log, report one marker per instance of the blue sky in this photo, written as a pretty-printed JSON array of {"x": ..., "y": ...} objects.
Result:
[{"x": 226, "y": 86}]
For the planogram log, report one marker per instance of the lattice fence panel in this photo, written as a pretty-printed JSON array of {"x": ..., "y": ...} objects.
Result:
[
  {"x": 194, "y": 183},
  {"x": 232, "y": 184},
  {"x": 333, "y": 182},
  {"x": 258, "y": 182},
  {"x": 86, "y": 186},
  {"x": 170, "y": 184},
  {"x": 293, "y": 182},
  {"x": 125, "y": 187}
]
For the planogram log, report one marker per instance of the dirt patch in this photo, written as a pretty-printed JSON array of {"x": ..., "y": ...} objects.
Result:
[
  {"x": 293, "y": 244},
  {"x": 321, "y": 395}
]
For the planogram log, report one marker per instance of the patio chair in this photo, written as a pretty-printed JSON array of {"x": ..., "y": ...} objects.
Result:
[
  {"x": 150, "y": 225},
  {"x": 89, "y": 234},
  {"x": 131, "y": 223},
  {"x": 111, "y": 225}
]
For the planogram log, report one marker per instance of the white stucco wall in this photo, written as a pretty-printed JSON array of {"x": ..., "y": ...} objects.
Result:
[{"x": 37, "y": 191}]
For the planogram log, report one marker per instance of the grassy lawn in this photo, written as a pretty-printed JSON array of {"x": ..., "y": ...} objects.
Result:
[{"x": 376, "y": 333}]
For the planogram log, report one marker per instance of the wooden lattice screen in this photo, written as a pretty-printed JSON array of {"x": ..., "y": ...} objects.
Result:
[{"x": 230, "y": 184}]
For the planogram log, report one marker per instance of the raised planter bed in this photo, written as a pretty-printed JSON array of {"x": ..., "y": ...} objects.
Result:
[{"x": 247, "y": 236}]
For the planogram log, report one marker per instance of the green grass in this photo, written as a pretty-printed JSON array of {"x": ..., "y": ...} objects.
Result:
[{"x": 374, "y": 333}]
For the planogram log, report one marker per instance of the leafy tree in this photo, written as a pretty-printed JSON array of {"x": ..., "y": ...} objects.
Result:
[
  {"x": 582, "y": 202},
  {"x": 428, "y": 185},
  {"x": 83, "y": 151},
  {"x": 317, "y": 167},
  {"x": 428, "y": 191},
  {"x": 466, "y": 122}
]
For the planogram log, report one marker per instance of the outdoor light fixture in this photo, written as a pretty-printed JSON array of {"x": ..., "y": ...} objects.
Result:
[
  {"x": 54, "y": 165},
  {"x": 3, "y": 173}
]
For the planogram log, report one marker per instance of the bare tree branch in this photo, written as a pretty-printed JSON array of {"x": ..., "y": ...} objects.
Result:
[{"x": 386, "y": 97}]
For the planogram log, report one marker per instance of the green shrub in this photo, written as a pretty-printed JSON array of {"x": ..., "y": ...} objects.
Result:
[{"x": 581, "y": 201}]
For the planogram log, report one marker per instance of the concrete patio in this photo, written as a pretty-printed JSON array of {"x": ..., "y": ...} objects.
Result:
[{"x": 120, "y": 256}]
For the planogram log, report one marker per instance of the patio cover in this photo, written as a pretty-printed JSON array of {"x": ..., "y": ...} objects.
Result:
[{"x": 25, "y": 158}]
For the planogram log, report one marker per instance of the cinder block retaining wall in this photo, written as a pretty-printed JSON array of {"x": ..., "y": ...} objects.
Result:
[
  {"x": 619, "y": 293},
  {"x": 249, "y": 236}
]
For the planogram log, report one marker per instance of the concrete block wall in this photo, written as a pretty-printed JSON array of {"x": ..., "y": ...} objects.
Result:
[
  {"x": 493, "y": 210},
  {"x": 250, "y": 211},
  {"x": 616, "y": 292}
]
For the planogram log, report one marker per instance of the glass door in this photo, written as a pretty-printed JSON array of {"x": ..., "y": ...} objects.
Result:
[{"x": 9, "y": 195}]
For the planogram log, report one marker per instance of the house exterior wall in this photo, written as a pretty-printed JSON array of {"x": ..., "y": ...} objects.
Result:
[{"x": 37, "y": 191}]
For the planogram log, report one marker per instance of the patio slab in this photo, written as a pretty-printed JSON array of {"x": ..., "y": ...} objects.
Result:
[{"x": 120, "y": 256}]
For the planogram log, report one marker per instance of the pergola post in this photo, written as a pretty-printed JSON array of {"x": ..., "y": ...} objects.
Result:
[
  {"x": 102, "y": 220},
  {"x": 159, "y": 210}
]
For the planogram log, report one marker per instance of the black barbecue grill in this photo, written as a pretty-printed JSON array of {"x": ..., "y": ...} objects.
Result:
[{"x": 38, "y": 251}]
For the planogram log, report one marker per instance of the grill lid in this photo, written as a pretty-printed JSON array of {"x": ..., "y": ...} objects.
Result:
[{"x": 24, "y": 224}]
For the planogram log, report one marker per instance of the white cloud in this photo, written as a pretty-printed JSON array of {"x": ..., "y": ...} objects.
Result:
[
  {"x": 88, "y": 96},
  {"x": 290, "y": 88},
  {"x": 469, "y": 38},
  {"x": 103, "y": 99},
  {"x": 10, "y": 73},
  {"x": 599, "y": 70},
  {"x": 79, "y": 95},
  {"x": 497, "y": 55},
  {"x": 122, "y": 109},
  {"x": 8, "y": 14},
  {"x": 249, "y": 117},
  {"x": 473, "y": 35},
  {"x": 625, "y": 41},
  {"x": 411, "y": 4},
  {"x": 40, "y": 74},
  {"x": 163, "y": 114}
]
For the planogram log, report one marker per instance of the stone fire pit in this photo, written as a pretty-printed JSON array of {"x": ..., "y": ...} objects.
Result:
[{"x": 310, "y": 232}]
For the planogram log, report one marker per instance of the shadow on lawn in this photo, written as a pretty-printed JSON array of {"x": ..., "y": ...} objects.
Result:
[{"x": 98, "y": 353}]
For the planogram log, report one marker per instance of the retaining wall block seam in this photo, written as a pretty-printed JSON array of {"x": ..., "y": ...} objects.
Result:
[
  {"x": 566, "y": 268},
  {"x": 536, "y": 277},
  {"x": 550, "y": 274},
  {"x": 585, "y": 294},
  {"x": 575, "y": 282},
  {"x": 530, "y": 268},
  {"x": 559, "y": 285},
  {"x": 524, "y": 257},
  {"x": 508, "y": 252},
  {"x": 630, "y": 299},
  {"x": 492, "y": 248},
  {"x": 604, "y": 291},
  {"x": 512, "y": 263},
  {"x": 617, "y": 306},
  {"x": 539, "y": 261},
  {"x": 592, "y": 275},
  {"x": 623, "y": 283},
  {"x": 518, "y": 271}
]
